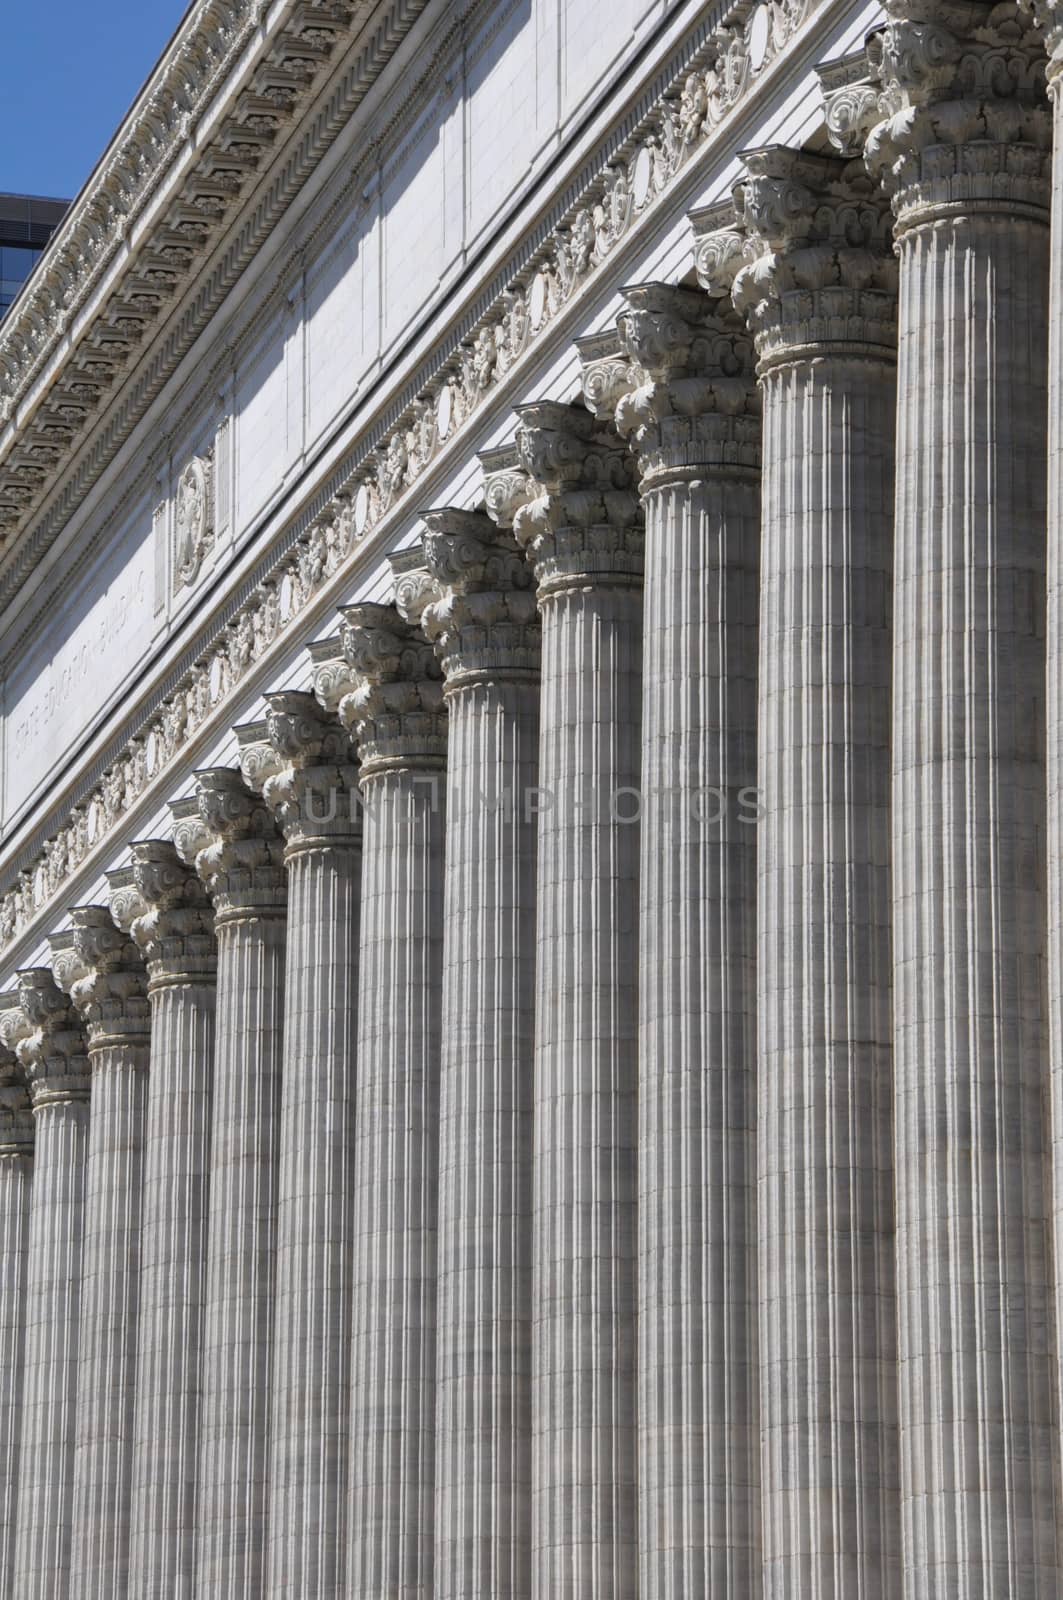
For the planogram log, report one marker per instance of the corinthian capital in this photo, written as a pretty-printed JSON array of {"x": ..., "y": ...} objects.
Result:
[
  {"x": 697, "y": 404},
  {"x": 483, "y": 622},
  {"x": 584, "y": 525},
  {"x": 963, "y": 121},
  {"x": 40, "y": 1027},
  {"x": 102, "y": 971},
  {"x": 242, "y": 863},
  {"x": 171, "y": 921},
  {"x": 820, "y": 276},
  {"x": 16, "y": 1114},
  {"x": 313, "y": 784},
  {"x": 394, "y": 707}
]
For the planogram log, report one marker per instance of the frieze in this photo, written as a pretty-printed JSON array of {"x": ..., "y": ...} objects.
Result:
[{"x": 682, "y": 124}]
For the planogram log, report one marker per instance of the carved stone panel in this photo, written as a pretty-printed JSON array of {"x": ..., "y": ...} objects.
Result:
[{"x": 193, "y": 518}]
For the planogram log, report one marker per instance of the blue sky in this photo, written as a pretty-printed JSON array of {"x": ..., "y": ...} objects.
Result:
[{"x": 71, "y": 70}]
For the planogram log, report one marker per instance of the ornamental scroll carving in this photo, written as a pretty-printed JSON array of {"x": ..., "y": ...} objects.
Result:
[{"x": 681, "y": 125}]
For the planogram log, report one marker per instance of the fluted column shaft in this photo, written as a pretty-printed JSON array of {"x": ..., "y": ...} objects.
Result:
[
  {"x": 52, "y": 1053},
  {"x": 698, "y": 1455},
  {"x": 109, "y": 1301},
  {"x": 231, "y": 1503},
  {"x": 53, "y": 1296},
  {"x": 483, "y": 1468},
  {"x": 969, "y": 865},
  {"x": 488, "y": 643},
  {"x": 102, "y": 971},
  {"x": 978, "y": 1429},
  {"x": 313, "y": 796},
  {"x": 822, "y": 308},
  {"x": 584, "y": 1461},
  {"x": 173, "y": 926},
  {"x": 1049, "y": 14},
  {"x": 16, "y": 1177},
  {"x": 243, "y": 872},
  {"x": 394, "y": 705},
  {"x": 312, "y": 1359},
  {"x": 173, "y": 1282}
]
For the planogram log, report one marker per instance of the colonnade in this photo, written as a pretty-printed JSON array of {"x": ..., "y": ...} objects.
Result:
[{"x": 577, "y": 1109}]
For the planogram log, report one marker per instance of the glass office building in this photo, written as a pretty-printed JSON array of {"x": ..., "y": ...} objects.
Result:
[{"x": 27, "y": 222}]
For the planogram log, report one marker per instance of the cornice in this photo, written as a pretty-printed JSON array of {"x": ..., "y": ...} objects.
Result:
[
  {"x": 156, "y": 208},
  {"x": 652, "y": 154}
]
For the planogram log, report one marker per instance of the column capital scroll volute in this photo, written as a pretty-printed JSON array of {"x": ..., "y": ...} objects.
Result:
[
  {"x": 719, "y": 241},
  {"x": 851, "y": 96},
  {"x": 124, "y": 899},
  {"x": 414, "y": 588},
  {"x": 257, "y": 759},
  {"x": 608, "y": 372},
  {"x": 507, "y": 484},
  {"x": 98, "y": 965},
  {"x": 190, "y": 832}
]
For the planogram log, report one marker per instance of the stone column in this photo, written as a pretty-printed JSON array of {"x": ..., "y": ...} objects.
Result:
[
  {"x": 583, "y": 535},
  {"x": 695, "y": 420},
  {"x": 242, "y": 867},
  {"x": 483, "y": 624},
  {"x": 384, "y": 682},
  {"x": 310, "y": 785},
  {"x": 16, "y": 1175},
  {"x": 101, "y": 970},
  {"x": 1049, "y": 16},
  {"x": 46, "y": 1035},
  {"x": 819, "y": 294},
  {"x": 963, "y": 146},
  {"x": 165, "y": 908}
]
